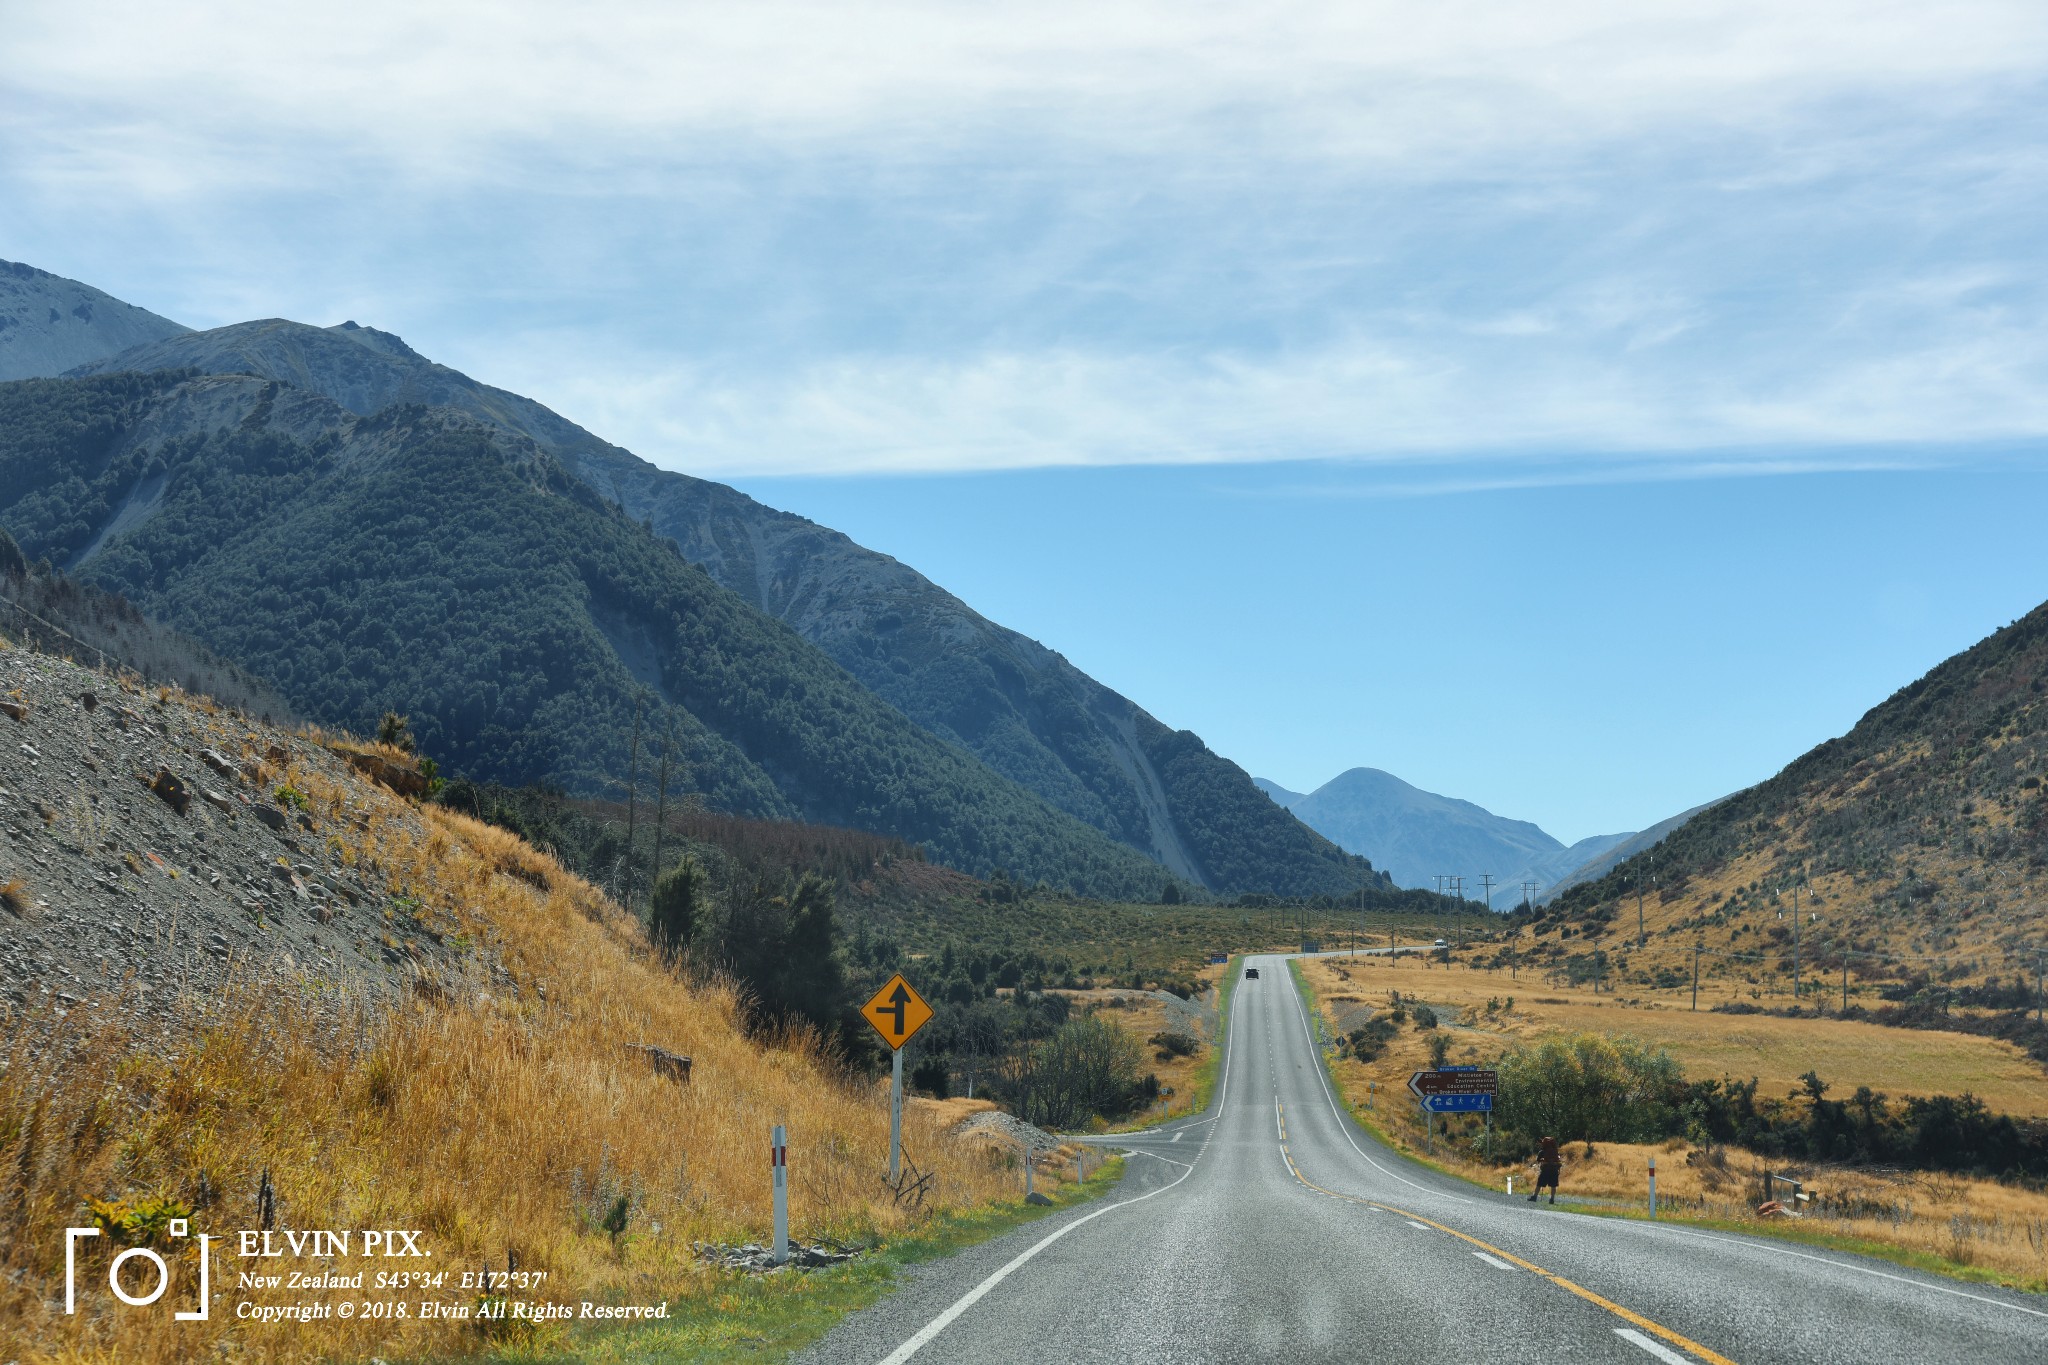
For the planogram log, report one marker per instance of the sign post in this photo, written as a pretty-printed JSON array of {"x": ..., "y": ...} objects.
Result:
[
  {"x": 897, "y": 1013},
  {"x": 780, "y": 1142},
  {"x": 1455, "y": 1090}
]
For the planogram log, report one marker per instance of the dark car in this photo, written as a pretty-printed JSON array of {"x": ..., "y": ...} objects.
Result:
[{"x": 1251, "y": 973}]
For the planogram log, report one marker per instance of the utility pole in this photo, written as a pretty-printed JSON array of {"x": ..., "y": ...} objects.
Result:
[
  {"x": 633, "y": 798},
  {"x": 661, "y": 807},
  {"x": 1695, "y": 978},
  {"x": 1795, "y": 940},
  {"x": 1845, "y": 981},
  {"x": 1461, "y": 912},
  {"x": 1486, "y": 890},
  {"x": 1639, "y": 911}
]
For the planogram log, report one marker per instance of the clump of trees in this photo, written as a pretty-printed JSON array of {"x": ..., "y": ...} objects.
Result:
[
  {"x": 1089, "y": 1066},
  {"x": 1594, "y": 1088}
]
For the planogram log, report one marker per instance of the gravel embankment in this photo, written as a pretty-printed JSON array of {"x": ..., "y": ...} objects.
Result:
[{"x": 146, "y": 852}]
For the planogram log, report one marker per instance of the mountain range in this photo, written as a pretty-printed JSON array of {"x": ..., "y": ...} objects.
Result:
[
  {"x": 1013, "y": 716},
  {"x": 1416, "y": 837}
]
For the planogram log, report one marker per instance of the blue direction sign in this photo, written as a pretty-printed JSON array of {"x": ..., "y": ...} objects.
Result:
[{"x": 1458, "y": 1104}]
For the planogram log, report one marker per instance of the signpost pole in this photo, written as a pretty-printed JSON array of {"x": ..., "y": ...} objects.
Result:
[
  {"x": 895, "y": 1115},
  {"x": 896, "y": 1012},
  {"x": 779, "y": 1139}
]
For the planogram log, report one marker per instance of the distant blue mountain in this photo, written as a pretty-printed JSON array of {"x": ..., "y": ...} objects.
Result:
[{"x": 1415, "y": 835}]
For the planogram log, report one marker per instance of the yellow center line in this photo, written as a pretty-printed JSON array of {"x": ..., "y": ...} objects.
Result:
[{"x": 1682, "y": 1342}]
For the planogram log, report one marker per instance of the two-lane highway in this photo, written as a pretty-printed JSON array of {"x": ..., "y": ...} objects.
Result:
[{"x": 1273, "y": 1228}]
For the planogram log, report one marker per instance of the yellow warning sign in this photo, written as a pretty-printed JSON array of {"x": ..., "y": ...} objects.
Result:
[{"x": 897, "y": 1012}]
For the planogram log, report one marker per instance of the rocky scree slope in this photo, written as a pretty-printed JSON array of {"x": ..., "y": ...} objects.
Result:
[
  {"x": 423, "y": 561},
  {"x": 1018, "y": 706},
  {"x": 146, "y": 854}
]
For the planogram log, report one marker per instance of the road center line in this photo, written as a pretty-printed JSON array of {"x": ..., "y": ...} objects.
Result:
[
  {"x": 975, "y": 1295},
  {"x": 1301, "y": 1007},
  {"x": 1420, "y": 1227},
  {"x": 1496, "y": 1262},
  {"x": 1516, "y": 1262},
  {"x": 1663, "y": 1353}
]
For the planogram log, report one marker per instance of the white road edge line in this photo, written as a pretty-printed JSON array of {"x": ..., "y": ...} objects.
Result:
[
  {"x": 975, "y": 1295},
  {"x": 1654, "y": 1347},
  {"x": 1301, "y": 1007},
  {"x": 1760, "y": 1244},
  {"x": 1186, "y": 1166},
  {"x": 1496, "y": 1262}
]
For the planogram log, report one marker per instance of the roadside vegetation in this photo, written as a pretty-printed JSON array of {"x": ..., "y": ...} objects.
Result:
[
  {"x": 1888, "y": 1154},
  {"x": 504, "y": 1109}
]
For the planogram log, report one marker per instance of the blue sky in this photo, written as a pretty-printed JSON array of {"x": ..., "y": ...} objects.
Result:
[{"x": 1576, "y": 409}]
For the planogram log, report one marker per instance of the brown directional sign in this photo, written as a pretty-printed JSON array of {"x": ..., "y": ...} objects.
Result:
[
  {"x": 1455, "y": 1080},
  {"x": 897, "y": 1012}
]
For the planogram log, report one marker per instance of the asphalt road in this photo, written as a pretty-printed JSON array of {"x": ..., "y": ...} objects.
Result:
[{"x": 1273, "y": 1228}]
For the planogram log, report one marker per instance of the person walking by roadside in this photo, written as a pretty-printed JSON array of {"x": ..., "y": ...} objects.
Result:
[{"x": 1549, "y": 1162}]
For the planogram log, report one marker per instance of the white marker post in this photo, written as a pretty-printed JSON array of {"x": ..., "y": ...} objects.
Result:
[
  {"x": 1653, "y": 1187},
  {"x": 896, "y": 1115},
  {"x": 780, "y": 1139}
]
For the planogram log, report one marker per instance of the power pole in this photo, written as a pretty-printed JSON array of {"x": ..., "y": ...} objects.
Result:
[
  {"x": 1695, "y": 978},
  {"x": 1486, "y": 889},
  {"x": 661, "y": 809},
  {"x": 1795, "y": 940},
  {"x": 1639, "y": 911},
  {"x": 1845, "y": 981},
  {"x": 633, "y": 798},
  {"x": 1460, "y": 912}
]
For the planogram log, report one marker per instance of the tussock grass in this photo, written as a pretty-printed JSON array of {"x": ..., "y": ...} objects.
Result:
[
  {"x": 1981, "y": 1229},
  {"x": 499, "y": 1109}
]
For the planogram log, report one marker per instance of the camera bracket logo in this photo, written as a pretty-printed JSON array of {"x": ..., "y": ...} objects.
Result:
[{"x": 178, "y": 1228}]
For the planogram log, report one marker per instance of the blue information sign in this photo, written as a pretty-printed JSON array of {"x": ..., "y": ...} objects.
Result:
[{"x": 1458, "y": 1104}]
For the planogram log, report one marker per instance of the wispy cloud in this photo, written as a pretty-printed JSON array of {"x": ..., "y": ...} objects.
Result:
[{"x": 915, "y": 236}]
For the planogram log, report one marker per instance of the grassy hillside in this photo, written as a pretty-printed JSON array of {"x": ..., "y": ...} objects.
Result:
[
  {"x": 1917, "y": 847},
  {"x": 1016, "y": 705},
  {"x": 501, "y": 1110},
  {"x": 424, "y": 562}
]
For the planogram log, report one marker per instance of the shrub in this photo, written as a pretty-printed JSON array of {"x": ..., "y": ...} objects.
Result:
[
  {"x": 1174, "y": 1044},
  {"x": 1088, "y": 1066},
  {"x": 1588, "y": 1086}
]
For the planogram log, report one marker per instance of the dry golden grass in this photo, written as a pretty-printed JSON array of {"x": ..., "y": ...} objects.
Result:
[
  {"x": 1777, "y": 1051},
  {"x": 500, "y": 1109},
  {"x": 1983, "y": 1223}
]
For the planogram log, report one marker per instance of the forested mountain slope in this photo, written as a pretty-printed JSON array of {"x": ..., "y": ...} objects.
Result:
[
  {"x": 1018, "y": 706},
  {"x": 424, "y": 561},
  {"x": 49, "y": 324},
  {"x": 1918, "y": 843}
]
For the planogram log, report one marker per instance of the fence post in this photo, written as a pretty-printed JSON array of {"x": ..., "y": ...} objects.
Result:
[
  {"x": 780, "y": 1141},
  {"x": 1653, "y": 1186}
]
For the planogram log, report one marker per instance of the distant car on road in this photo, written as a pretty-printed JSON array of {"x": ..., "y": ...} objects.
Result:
[
  {"x": 1251, "y": 973},
  {"x": 1439, "y": 943}
]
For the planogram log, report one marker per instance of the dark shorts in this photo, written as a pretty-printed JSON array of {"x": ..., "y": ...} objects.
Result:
[{"x": 1546, "y": 1175}]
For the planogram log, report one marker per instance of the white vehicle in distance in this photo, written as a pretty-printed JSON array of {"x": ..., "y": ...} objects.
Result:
[{"x": 1439, "y": 943}]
